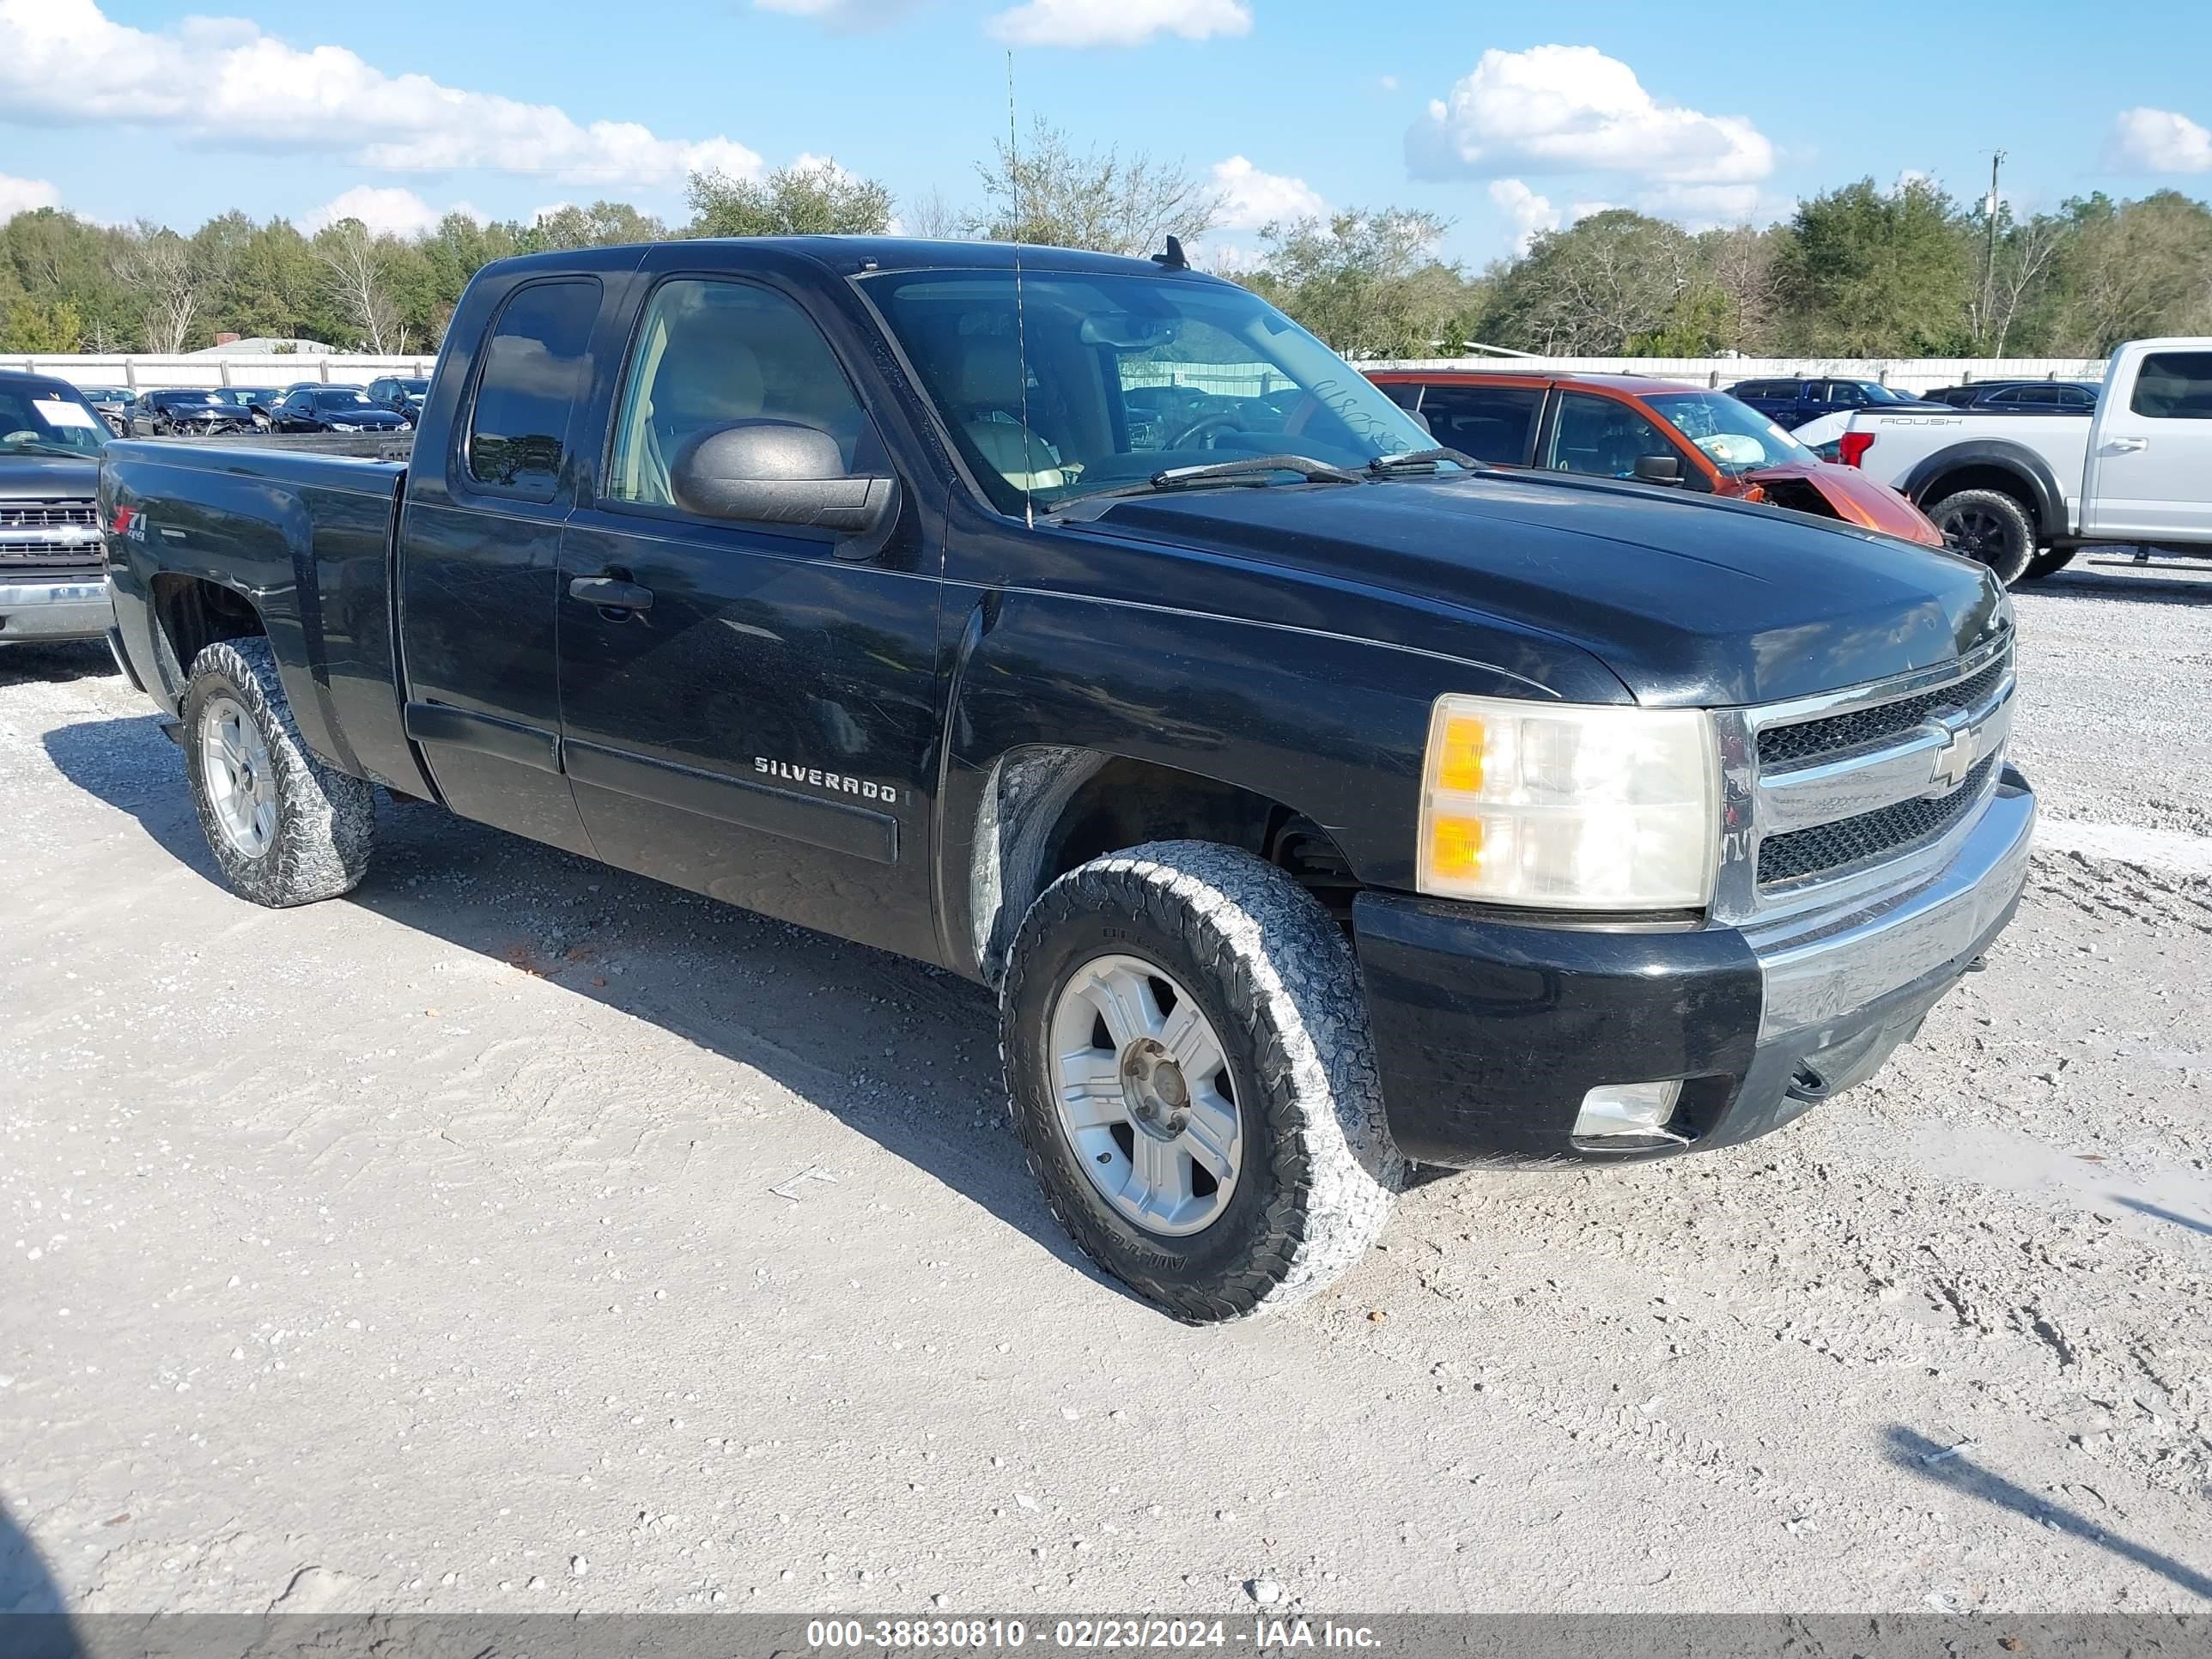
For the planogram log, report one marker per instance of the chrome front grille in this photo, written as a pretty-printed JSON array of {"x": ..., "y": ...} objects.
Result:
[
  {"x": 1829, "y": 795},
  {"x": 39, "y": 516}
]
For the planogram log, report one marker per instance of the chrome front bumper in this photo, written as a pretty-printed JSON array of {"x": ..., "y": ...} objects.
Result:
[
  {"x": 77, "y": 608},
  {"x": 1823, "y": 966}
]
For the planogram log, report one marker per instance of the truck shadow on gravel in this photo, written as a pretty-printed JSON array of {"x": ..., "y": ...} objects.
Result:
[
  {"x": 34, "y": 1621},
  {"x": 905, "y": 1054},
  {"x": 2111, "y": 582},
  {"x": 81, "y": 659},
  {"x": 1951, "y": 1466}
]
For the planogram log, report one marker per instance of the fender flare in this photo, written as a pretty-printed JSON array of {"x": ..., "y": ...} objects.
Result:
[{"x": 2047, "y": 497}]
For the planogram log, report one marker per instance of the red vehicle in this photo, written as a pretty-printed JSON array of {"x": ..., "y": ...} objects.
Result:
[{"x": 1660, "y": 432}]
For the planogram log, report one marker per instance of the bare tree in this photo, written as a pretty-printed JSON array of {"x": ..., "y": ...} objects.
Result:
[
  {"x": 2022, "y": 260},
  {"x": 1047, "y": 191},
  {"x": 166, "y": 270},
  {"x": 1746, "y": 272},
  {"x": 930, "y": 216},
  {"x": 353, "y": 266}
]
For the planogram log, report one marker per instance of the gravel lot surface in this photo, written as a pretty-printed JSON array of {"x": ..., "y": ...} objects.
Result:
[{"x": 453, "y": 1246}]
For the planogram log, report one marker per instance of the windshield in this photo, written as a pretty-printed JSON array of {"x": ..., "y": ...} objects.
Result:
[
  {"x": 1735, "y": 437},
  {"x": 414, "y": 388},
  {"x": 36, "y": 420},
  {"x": 1878, "y": 393},
  {"x": 339, "y": 399},
  {"x": 1121, "y": 378}
]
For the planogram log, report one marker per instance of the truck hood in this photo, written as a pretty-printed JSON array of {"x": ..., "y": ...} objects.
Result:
[
  {"x": 1856, "y": 498},
  {"x": 1692, "y": 602},
  {"x": 48, "y": 477}
]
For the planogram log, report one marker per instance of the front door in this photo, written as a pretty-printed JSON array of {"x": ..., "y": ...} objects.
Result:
[
  {"x": 759, "y": 722},
  {"x": 2150, "y": 461}
]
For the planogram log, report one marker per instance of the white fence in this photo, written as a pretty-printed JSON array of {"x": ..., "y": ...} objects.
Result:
[
  {"x": 1905, "y": 374},
  {"x": 144, "y": 374}
]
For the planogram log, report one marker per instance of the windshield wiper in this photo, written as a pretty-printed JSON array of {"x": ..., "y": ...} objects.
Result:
[
  {"x": 1250, "y": 470},
  {"x": 1418, "y": 460}
]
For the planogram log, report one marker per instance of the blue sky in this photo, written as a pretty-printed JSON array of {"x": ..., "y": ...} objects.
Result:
[{"x": 1501, "y": 119}]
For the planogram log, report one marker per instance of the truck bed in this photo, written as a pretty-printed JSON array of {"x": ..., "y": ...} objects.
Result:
[
  {"x": 301, "y": 526},
  {"x": 1905, "y": 438}
]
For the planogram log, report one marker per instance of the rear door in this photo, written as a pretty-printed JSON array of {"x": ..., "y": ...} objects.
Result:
[
  {"x": 480, "y": 547},
  {"x": 764, "y": 726},
  {"x": 2150, "y": 452}
]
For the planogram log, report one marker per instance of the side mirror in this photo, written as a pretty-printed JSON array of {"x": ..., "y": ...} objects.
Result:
[
  {"x": 1659, "y": 468},
  {"x": 777, "y": 473},
  {"x": 1420, "y": 421}
]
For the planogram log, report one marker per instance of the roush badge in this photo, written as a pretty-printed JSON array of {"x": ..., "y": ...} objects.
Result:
[{"x": 817, "y": 778}]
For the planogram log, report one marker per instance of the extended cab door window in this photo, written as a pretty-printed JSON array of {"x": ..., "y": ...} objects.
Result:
[
  {"x": 527, "y": 390},
  {"x": 749, "y": 708},
  {"x": 1491, "y": 423},
  {"x": 1605, "y": 438}
]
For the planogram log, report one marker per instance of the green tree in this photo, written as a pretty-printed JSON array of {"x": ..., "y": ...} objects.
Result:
[
  {"x": 32, "y": 326},
  {"x": 2130, "y": 269},
  {"x": 1050, "y": 193},
  {"x": 603, "y": 224},
  {"x": 821, "y": 199},
  {"x": 1866, "y": 272},
  {"x": 1613, "y": 283},
  {"x": 1369, "y": 282}
]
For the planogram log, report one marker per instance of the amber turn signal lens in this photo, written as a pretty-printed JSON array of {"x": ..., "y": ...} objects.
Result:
[
  {"x": 1458, "y": 760},
  {"x": 1455, "y": 847}
]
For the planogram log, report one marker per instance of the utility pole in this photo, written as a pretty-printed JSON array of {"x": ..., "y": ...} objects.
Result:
[{"x": 1990, "y": 259}]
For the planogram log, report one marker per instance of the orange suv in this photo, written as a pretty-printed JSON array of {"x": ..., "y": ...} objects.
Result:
[{"x": 1657, "y": 432}]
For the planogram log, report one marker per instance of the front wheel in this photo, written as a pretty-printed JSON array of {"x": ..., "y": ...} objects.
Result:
[
  {"x": 1189, "y": 1068},
  {"x": 285, "y": 828},
  {"x": 2045, "y": 564},
  {"x": 1991, "y": 528}
]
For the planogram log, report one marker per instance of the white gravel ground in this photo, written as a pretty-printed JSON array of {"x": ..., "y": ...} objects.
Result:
[{"x": 452, "y": 1246}]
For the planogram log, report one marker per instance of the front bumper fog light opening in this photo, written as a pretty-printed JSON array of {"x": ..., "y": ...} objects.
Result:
[{"x": 1630, "y": 1114}]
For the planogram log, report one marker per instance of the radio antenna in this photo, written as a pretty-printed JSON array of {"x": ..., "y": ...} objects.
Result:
[{"x": 1021, "y": 327}]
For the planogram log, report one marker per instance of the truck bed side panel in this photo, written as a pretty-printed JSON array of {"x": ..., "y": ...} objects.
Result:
[{"x": 306, "y": 540}]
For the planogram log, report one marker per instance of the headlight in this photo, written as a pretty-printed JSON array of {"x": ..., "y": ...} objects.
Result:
[
  {"x": 344, "y": 426},
  {"x": 1570, "y": 807}
]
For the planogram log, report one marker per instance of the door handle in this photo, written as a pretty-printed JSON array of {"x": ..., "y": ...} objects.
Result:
[
  {"x": 2128, "y": 445},
  {"x": 611, "y": 593}
]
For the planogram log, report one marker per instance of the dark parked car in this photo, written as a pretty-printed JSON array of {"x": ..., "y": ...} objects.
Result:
[
  {"x": 334, "y": 409},
  {"x": 2028, "y": 396},
  {"x": 113, "y": 405},
  {"x": 53, "y": 580},
  {"x": 1790, "y": 403},
  {"x": 205, "y": 412},
  {"x": 403, "y": 396},
  {"x": 1313, "y": 799}
]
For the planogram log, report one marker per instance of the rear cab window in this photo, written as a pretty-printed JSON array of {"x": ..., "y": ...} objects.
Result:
[
  {"x": 535, "y": 368},
  {"x": 2173, "y": 385}
]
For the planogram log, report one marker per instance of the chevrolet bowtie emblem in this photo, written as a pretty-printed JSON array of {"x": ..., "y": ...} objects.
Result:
[{"x": 1948, "y": 766}]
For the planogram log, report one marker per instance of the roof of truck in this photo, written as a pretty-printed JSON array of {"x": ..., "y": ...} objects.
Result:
[{"x": 850, "y": 254}]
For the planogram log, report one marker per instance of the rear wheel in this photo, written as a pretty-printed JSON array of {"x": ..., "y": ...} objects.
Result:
[
  {"x": 1189, "y": 1066},
  {"x": 2043, "y": 564},
  {"x": 1990, "y": 528},
  {"x": 285, "y": 828}
]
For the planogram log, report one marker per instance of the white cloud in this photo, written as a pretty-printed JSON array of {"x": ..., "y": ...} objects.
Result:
[
  {"x": 1573, "y": 109},
  {"x": 386, "y": 209},
  {"x": 1385, "y": 82},
  {"x": 1530, "y": 212},
  {"x": 1118, "y": 23},
  {"x": 22, "y": 195},
  {"x": 1251, "y": 198},
  {"x": 1701, "y": 207},
  {"x": 212, "y": 81},
  {"x": 2158, "y": 141}
]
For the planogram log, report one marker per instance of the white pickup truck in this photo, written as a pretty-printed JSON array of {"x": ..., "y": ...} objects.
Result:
[{"x": 2022, "y": 493}]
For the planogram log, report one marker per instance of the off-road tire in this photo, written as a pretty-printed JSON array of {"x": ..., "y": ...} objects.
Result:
[
  {"x": 2045, "y": 564},
  {"x": 2009, "y": 550},
  {"x": 1274, "y": 975},
  {"x": 326, "y": 820}
]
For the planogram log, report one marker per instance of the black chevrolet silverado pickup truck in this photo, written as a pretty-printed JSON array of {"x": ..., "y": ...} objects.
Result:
[{"x": 1315, "y": 800}]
